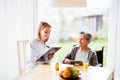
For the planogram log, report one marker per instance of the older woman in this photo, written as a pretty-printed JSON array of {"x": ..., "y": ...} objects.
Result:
[{"x": 82, "y": 52}]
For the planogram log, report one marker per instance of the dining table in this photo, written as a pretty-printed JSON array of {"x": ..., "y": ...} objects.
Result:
[{"x": 48, "y": 72}]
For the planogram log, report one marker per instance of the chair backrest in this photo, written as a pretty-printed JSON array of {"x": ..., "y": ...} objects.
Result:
[
  {"x": 21, "y": 48},
  {"x": 100, "y": 56}
]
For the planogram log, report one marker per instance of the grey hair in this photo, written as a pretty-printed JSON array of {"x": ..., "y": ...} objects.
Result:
[{"x": 88, "y": 35}]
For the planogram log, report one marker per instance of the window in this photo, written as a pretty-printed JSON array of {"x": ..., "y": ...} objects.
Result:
[{"x": 67, "y": 22}]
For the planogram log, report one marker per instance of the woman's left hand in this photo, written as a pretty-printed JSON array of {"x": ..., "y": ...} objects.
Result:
[{"x": 50, "y": 56}]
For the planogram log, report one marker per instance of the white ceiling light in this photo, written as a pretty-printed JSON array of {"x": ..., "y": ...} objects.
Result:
[{"x": 68, "y": 3}]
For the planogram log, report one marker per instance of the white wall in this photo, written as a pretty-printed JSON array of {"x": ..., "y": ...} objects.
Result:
[
  {"x": 114, "y": 39},
  {"x": 3, "y": 39},
  {"x": 17, "y": 21}
]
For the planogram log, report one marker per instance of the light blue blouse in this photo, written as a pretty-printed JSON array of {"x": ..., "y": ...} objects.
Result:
[
  {"x": 82, "y": 56},
  {"x": 34, "y": 50}
]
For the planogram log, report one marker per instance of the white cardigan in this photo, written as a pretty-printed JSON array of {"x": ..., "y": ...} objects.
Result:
[{"x": 34, "y": 51}]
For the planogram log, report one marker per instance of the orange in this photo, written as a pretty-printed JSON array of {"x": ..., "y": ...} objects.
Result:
[
  {"x": 61, "y": 73},
  {"x": 69, "y": 68},
  {"x": 66, "y": 74}
]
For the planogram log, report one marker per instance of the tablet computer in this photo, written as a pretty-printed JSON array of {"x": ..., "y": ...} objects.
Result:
[
  {"x": 76, "y": 62},
  {"x": 52, "y": 50}
]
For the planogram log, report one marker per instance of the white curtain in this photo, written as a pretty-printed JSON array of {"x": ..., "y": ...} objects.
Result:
[
  {"x": 114, "y": 39},
  {"x": 3, "y": 39},
  {"x": 17, "y": 22}
]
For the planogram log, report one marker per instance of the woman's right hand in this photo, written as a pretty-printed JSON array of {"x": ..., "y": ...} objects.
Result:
[{"x": 67, "y": 61}]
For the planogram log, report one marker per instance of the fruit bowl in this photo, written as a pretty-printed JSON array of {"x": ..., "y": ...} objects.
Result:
[{"x": 70, "y": 73}]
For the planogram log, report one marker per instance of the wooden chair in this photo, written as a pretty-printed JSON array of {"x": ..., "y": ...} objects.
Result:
[
  {"x": 21, "y": 48},
  {"x": 100, "y": 57}
]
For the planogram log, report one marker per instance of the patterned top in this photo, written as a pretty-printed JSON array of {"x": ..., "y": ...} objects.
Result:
[{"x": 35, "y": 51}]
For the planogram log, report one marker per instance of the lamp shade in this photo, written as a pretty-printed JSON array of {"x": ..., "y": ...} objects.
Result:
[{"x": 68, "y": 3}]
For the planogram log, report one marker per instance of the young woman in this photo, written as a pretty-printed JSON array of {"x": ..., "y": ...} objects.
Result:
[{"x": 37, "y": 47}]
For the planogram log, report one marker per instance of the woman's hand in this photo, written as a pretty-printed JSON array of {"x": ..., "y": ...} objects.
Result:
[
  {"x": 67, "y": 61},
  {"x": 50, "y": 56}
]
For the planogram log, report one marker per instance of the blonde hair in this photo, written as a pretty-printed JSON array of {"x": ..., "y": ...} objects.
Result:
[{"x": 41, "y": 26}]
